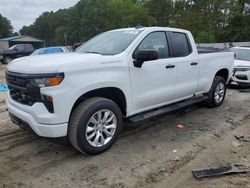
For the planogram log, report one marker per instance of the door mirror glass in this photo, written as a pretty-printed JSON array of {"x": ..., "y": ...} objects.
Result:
[{"x": 141, "y": 56}]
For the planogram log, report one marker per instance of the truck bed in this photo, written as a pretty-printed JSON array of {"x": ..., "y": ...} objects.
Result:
[
  {"x": 210, "y": 63},
  {"x": 210, "y": 50}
]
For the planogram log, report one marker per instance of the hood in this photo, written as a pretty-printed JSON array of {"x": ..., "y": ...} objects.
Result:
[
  {"x": 52, "y": 62},
  {"x": 241, "y": 63}
]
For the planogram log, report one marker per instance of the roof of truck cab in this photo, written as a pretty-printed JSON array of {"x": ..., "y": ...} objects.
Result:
[{"x": 151, "y": 28}]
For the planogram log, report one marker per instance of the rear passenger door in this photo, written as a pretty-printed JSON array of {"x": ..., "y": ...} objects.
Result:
[
  {"x": 28, "y": 49},
  {"x": 187, "y": 67}
]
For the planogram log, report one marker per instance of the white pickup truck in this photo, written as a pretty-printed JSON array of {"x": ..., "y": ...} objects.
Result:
[
  {"x": 241, "y": 73},
  {"x": 132, "y": 73}
]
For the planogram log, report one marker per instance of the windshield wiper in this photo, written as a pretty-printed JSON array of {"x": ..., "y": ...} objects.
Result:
[{"x": 89, "y": 52}]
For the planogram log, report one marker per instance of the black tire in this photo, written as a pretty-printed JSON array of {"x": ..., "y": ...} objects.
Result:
[
  {"x": 212, "y": 102},
  {"x": 80, "y": 119},
  {"x": 7, "y": 59}
]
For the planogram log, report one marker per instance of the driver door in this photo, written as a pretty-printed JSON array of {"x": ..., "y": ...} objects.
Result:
[{"x": 154, "y": 83}]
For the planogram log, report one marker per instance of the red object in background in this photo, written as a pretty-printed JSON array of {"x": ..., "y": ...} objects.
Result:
[{"x": 180, "y": 126}]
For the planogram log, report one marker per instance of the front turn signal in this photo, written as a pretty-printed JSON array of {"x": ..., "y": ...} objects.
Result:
[{"x": 54, "y": 81}]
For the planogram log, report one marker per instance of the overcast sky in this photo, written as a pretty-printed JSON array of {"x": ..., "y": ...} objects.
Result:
[{"x": 24, "y": 12}]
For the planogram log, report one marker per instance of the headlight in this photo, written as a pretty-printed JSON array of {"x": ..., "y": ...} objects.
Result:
[
  {"x": 48, "y": 80},
  {"x": 242, "y": 69}
]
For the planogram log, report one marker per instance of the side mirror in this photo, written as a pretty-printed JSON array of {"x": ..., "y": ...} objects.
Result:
[
  {"x": 16, "y": 49},
  {"x": 141, "y": 56}
]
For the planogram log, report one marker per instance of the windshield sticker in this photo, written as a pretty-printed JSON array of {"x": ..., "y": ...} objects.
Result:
[{"x": 131, "y": 32}]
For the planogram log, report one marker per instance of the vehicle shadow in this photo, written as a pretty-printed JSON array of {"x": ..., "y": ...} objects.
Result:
[
  {"x": 130, "y": 128},
  {"x": 241, "y": 89}
]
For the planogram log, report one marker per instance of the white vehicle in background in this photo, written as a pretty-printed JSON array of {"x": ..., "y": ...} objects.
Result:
[
  {"x": 241, "y": 74},
  {"x": 133, "y": 73}
]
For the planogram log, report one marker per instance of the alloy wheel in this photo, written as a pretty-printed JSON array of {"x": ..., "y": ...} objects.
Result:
[{"x": 101, "y": 128}]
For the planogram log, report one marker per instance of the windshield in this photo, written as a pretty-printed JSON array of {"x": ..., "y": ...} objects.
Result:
[
  {"x": 109, "y": 43},
  {"x": 242, "y": 54},
  {"x": 12, "y": 47}
]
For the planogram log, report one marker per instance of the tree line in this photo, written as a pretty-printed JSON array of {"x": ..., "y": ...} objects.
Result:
[
  {"x": 6, "y": 28},
  {"x": 208, "y": 20}
]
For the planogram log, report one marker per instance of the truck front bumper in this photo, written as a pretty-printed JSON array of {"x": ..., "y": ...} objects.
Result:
[
  {"x": 21, "y": 116},
  {"x": 241, "y": 78}
]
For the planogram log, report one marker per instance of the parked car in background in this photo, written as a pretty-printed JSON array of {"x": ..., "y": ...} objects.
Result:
[
  {"x": 15, "y": 51},
  {"x": 76, "y": 45},
  {"x": 241, "y": 73},
  {"x": 51, "y": 50}
]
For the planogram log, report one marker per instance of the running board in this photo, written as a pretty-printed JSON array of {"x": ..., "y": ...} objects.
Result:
[{"x": 167, "y": 109}]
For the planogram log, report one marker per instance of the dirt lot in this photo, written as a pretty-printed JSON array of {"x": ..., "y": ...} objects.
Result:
[{"x": 142, "y": 157}]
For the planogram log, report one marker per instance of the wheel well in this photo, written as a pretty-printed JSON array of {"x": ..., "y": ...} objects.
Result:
[
  {"x": 111, "y": 93},
  {"x": 7, "y": 55},
  {"x": 223, "y": 73}
]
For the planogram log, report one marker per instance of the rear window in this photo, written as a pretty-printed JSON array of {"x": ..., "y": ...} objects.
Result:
[
  {"x": 181, "y": 44},
  {"x": 53, "y": 50}
]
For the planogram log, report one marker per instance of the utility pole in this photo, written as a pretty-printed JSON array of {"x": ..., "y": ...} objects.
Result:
[{"x": 65, "y": 39}]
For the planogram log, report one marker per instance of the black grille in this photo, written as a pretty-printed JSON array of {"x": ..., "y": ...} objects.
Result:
[
  {"x": 241, "y": 77},
  {"x": 15, "y": 80},
  {"x": 22, "y": 97},
  {"x": 21, "y": 90}
]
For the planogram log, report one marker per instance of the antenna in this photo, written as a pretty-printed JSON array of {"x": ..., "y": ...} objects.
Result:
[{"x": 138, "y": 26}]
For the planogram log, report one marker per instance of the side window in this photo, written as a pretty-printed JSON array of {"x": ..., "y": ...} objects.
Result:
[
  {"x": 30, "y": 47},
  {"x": 180, "y": 44},
  {"x": 157, "y": 41},
  {"x": 19, "y": 48},
  {"x": 27, "y": 48}
]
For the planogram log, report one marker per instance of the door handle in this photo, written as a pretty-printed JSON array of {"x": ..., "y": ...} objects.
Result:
[
  {"x": 170, "y": 66},
  {"x": 193, "y": 63}
]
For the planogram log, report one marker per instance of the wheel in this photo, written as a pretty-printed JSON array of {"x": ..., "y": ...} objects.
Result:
[
  {"x": 95, "y": 125},
  {"x": 217, "y": 93},
  {"x": 7, "y": 59}
]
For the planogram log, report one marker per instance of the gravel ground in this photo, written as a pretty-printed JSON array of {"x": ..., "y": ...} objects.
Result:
[{"x": 154, "y": 153}]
